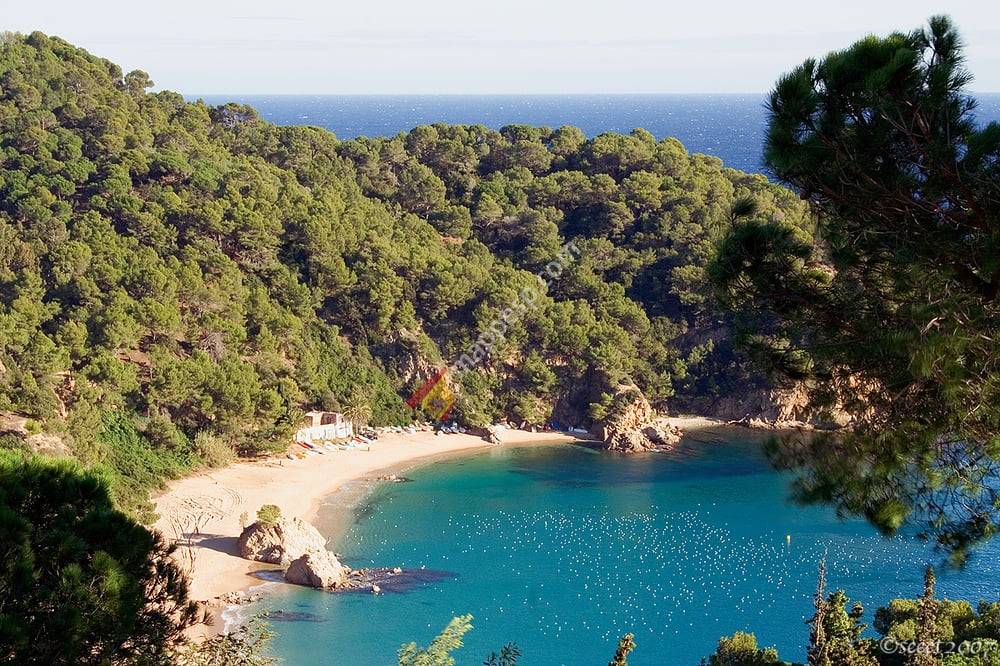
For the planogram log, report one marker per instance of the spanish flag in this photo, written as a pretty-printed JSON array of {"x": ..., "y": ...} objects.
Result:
[{"x": 434, "y": 397}]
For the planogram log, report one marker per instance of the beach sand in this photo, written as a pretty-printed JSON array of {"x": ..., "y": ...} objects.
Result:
[{"x": 202, "y": 513}]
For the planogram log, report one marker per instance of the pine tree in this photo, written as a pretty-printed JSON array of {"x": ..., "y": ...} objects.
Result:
[
  {"x": 891, "y": 307},
  {"x": 927, "y": 634},
  {"x": 817, "y": 654},
  {"x": 625, "y": 646},
  {"x": 438, "y": 653}
]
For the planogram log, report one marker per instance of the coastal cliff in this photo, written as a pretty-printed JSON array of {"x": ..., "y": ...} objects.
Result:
[{"x": 633, "y": 426}]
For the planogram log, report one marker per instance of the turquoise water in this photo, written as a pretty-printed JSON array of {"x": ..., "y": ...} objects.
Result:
[{"x": 563, "y": 549}]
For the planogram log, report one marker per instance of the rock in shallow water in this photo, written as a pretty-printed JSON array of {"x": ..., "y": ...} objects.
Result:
[{"x": 316, "y": 569}]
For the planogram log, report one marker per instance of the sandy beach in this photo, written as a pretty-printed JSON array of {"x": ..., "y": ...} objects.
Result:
[{"x": 202, "y": 513}]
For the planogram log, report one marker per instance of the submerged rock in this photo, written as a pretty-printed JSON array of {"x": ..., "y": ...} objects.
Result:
[
  {"x": 317, "y": 569},
  {"x": 392, "y": 581},
  {"x": 280, "y": 543}
]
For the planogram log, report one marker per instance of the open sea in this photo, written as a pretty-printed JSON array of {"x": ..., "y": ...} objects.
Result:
[
  {"x": 730, "y": 127},
  {"x": 564, "y": 549}
]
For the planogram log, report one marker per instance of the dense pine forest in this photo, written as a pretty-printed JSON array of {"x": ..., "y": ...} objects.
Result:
[{"x": 179, "y": 281}]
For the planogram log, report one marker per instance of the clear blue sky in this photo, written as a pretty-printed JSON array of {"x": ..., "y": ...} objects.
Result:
[{"x": 504, "y": 46}]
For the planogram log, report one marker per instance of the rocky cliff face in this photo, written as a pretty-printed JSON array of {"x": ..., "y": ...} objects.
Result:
[
  {"x": 784, "y": 407},
  {"x": 634, "y": 426},
  {"x": 42, "y": 443}
]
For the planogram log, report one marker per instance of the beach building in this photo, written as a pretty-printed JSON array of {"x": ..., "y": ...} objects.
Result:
[{"x": 320, "y": 426}]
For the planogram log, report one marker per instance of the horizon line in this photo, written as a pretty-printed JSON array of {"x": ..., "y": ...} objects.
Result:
[{"x": 488, "y": 94}]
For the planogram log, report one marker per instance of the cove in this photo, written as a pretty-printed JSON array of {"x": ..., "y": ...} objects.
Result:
[{"x": 563, "y": 549}]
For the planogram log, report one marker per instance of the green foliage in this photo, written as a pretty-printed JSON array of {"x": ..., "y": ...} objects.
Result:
[
  {"x": 208, "y": 275},
  {"x": 246, "y": 646},
  {"x": 508, "y": 656},
  {"x": 212, "y": 450},
  {"x": 135, "y": 466},
  {"x": 892, "y": 309},
  {"x": 913, "y": 632},
  {"x": 970, "y": 634},
  {"x": 80, "y": 581},
  {"x": 741, "y": 649},
  {"x": 438, "y": 653},
  {"x": 268, "y": 514}
]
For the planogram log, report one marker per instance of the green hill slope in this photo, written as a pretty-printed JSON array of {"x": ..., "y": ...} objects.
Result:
[{"x": 177, "y": 280}]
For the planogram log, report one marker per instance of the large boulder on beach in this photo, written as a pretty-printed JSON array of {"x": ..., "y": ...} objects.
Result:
[
  {"x": 317, "y": 568},
  {"x": 280, "y": 542}
]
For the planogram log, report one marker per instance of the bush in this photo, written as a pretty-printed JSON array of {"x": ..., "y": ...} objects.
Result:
[
  {"x": 268, "y": 514},
  {"x": 13, "y": 442},
  {"x": 246, "y": 646},
  {"x": 136, "y": 467},
  {"x": 741, "y": 649},
  {"x": 212, "y": 450}
]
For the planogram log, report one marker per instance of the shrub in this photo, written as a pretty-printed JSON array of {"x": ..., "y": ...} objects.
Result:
[
  {"x": 213, "y": 450},
  {"x": 268, "y": 514},
  {"x": 135, "y": 466}
]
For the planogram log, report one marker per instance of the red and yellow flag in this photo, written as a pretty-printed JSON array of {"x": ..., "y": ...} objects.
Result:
[{"x": 434, "y": 397}]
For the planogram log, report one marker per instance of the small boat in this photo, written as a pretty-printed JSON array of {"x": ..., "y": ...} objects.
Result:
[{"x": 290, "y": 456}]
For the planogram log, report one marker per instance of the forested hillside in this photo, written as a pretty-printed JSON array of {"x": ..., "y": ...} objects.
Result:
[{"x": 179, "y": 280}]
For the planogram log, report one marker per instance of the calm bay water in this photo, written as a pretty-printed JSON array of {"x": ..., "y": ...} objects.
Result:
[
  {"x": 564, "y": 549},
  {"x": 730, "y": 127}
]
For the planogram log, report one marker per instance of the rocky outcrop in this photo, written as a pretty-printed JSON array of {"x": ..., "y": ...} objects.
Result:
[
  {"x": 42, "y": 443},
  {"x": 294, "y": 543},
  {"x": 48, "y": 444},
  {"x": 634, "y": 426},
  {"x": 662, "y": 433},
  {"x": 13, "y": 424},
  {"x": 280, "y": 543},
  {"x": 405, "y": 353},
  {"x": 791, "y": 406},
  {"x": 317, "y": 568}
]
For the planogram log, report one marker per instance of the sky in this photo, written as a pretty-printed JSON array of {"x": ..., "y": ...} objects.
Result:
[{"x": 504, "y": 46}]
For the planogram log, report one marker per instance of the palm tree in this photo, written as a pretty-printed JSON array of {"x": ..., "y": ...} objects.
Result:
[{"x": 359, "y": 413}]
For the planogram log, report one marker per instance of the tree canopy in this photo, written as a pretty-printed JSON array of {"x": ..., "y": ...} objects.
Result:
[
  {"x": 81, "y": 582},
  {"x": 177, "y": 279},
  {"x": 892, "y": 306}
]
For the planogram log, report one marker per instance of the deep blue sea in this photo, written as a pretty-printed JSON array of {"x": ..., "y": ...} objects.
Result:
[
  {"x": 563, "y": 549},
  {"x": 728, "y": 126}
]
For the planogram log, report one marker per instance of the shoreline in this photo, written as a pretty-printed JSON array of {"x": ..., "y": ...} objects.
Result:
[
  {"x": 202, "y": 513},
  {"x": 345, "y": 498}
]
